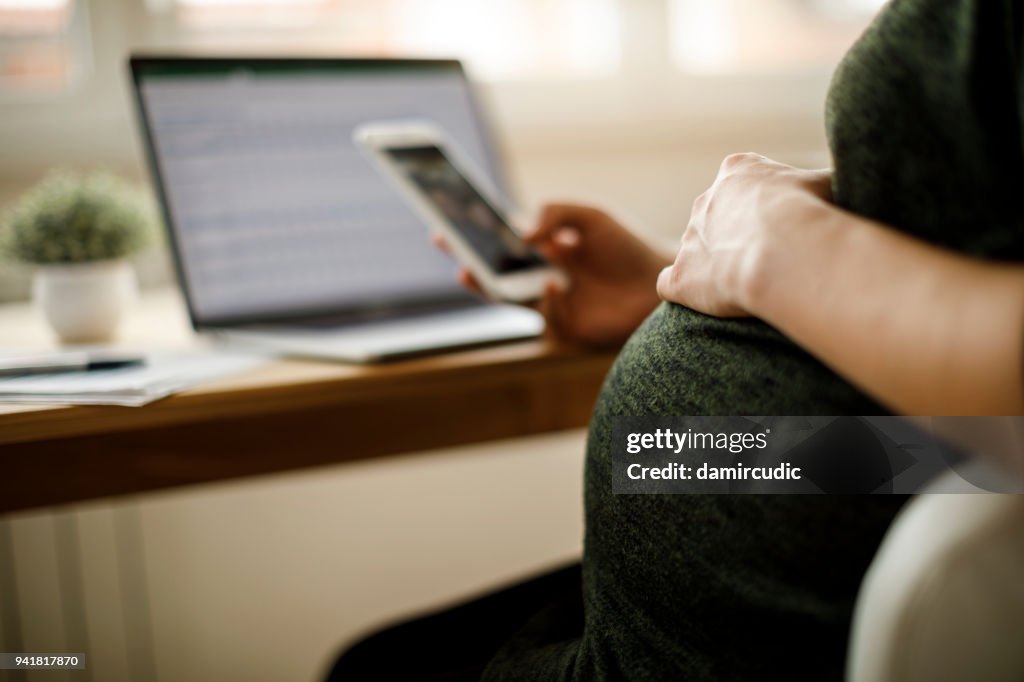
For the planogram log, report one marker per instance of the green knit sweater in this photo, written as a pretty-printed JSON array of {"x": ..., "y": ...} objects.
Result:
[{"x": 925, "y": 129}]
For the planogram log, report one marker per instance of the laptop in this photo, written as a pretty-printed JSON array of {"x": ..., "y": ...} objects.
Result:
[{"x": 284, "y": 236}]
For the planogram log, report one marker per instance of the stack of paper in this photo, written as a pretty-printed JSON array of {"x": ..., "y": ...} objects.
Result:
[{"x": 161, "y": 375}]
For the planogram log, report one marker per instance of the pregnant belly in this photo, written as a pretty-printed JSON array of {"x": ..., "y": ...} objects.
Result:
[
  {"x": 689, "y": 576},
  {"x": 680, "y": 362}
]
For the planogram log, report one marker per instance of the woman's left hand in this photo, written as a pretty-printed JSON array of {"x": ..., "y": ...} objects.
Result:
[{"x": 733, "y": 224}]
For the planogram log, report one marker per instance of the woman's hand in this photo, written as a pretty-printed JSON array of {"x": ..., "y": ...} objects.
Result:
[
  {"x": 732, "y": 225},
  {"x": 922, "y": 329},
  {"x": 611, "y": 273}
]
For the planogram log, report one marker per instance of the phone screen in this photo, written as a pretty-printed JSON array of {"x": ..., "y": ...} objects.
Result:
[{"x": 482, "y": 226}]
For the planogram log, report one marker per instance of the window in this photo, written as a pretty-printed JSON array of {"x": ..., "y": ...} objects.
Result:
[
  {"x": 735, "y": 36},
  {"x": 235, "y": 15},
  {"x": 43, "y": 45},
  {"x": 499, "y": 39}
]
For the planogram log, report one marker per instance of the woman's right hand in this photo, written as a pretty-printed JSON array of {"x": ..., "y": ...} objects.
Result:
[{"x": 612, "y": 275}]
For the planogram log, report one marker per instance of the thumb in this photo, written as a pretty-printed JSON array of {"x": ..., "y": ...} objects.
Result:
[
  {"x": 563, "y": 246},
  {"x": 665, "y": 282}
]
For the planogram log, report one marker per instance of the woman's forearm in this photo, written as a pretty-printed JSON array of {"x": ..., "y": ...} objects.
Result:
[{"x": 925, "y": 331}]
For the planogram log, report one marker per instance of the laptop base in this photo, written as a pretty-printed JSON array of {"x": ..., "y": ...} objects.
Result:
[{"x": 392, "y": 339}]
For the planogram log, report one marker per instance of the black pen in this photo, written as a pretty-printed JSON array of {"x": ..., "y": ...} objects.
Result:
[{"x": 26, "y": 365}]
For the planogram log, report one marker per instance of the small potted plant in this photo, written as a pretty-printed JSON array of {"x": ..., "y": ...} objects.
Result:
[{"x": 78, "y": 231}]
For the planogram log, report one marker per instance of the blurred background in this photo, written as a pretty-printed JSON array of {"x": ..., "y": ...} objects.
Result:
[{"x": 630, "y": 104}]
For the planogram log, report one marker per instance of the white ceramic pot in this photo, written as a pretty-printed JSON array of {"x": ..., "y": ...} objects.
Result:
[{"x": 85, "y": 302}]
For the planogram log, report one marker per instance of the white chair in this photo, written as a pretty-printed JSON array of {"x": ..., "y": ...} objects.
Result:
[{"x": 944, "y": 597}]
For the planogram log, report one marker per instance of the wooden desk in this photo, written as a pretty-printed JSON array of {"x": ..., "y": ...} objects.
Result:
[{"x": 286, "y": 415}]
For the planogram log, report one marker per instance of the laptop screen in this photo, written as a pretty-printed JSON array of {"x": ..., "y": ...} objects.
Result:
[{"x": 273, "y": 210}]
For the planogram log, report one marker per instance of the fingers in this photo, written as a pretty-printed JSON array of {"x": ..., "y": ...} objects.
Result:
[
  {"x": 552, "y": 306},
  {"x": 566, "y": 239},
  {"x": 557, "y": 242},
  {"x": 556, "y": 217},
  {"x": 561, "y": 248},
  {"x": 467, "y": 280},
  {"x": 664, "y": 285},
  {"x": 820, "y": 183},
  {"x": 552, "y": 292},
  {"x": 438, "y": 240},
  {"x": 464, "y": 276},
  {"x": 676, "y": 287},
  {"x": 553, "y": 252},
  {"x": 747, "y": 162},
  {"x": 738, "y": 161}
]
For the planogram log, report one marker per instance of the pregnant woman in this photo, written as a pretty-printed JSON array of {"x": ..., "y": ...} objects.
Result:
[{"x": 887, "y": 284}]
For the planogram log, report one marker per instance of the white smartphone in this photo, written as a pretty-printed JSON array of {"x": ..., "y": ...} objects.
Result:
[{"x": 458, "y": 202}]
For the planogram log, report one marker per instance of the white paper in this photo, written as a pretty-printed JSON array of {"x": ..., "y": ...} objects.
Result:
[{"x": 163, "y": 374}]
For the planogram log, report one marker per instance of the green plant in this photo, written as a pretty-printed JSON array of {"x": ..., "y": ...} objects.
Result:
[{"x": 75, "y": 218}]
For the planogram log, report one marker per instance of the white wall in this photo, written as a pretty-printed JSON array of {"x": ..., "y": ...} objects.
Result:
[{"x": 264, "y": 580}]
